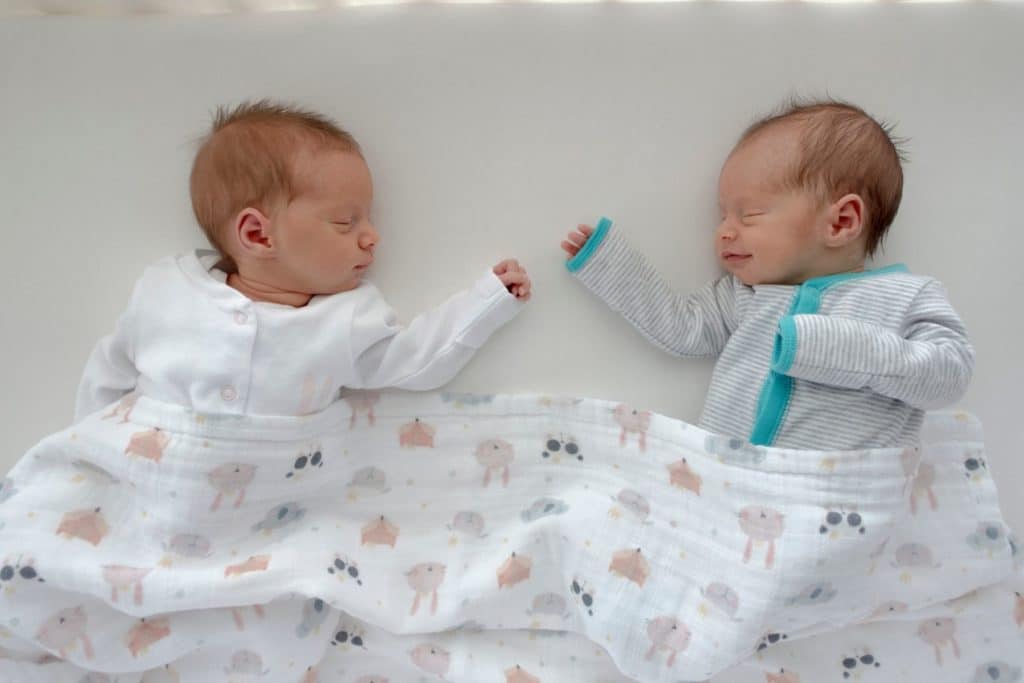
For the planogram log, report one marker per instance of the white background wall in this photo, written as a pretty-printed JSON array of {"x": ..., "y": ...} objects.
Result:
[{"x": 491, "y": 131}]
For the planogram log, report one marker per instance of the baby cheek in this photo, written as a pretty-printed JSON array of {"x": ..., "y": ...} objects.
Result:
[{"x": 323, "y": 261}]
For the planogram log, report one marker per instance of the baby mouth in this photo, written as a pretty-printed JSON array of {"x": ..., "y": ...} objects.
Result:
[{"x": 734, "y": 258}]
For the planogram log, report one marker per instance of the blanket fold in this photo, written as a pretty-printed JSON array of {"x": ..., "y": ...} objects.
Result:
[{"x": 482, "y": 538}]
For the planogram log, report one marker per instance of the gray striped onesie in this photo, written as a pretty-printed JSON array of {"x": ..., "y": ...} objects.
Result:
[{"x": 844, "y": 361}]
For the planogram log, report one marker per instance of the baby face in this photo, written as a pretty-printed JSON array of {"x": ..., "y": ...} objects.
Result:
[
  {"x": 767, "y": 235},
  {"x": 325, "y": 238}
]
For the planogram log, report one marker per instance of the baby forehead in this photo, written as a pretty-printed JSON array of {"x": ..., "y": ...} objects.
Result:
[
  {"x": 777, "y": 158},
  {"x": 761, "y": 167},
  {"x": 769, "y": 149},
  {"x": 330, "y": 172}
]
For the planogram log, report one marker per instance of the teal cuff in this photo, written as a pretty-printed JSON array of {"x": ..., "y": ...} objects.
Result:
[
  {"x": 593, "y": 242},
  {"x": 785, "y": 345}
]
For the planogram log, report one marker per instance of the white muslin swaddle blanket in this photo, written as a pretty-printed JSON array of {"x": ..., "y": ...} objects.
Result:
[{"x": 406, "y": 537}]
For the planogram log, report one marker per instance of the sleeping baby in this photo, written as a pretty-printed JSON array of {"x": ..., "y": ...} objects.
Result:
[
  {"x": 813, "y": 350},
  {"x": 278, "y": 318}
]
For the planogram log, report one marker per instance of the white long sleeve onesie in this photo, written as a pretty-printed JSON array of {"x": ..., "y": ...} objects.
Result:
[{"x": 188, "y": 338}]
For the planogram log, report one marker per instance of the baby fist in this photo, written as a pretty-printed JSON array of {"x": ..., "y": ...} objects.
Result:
[{"x": 514, "y": 277}]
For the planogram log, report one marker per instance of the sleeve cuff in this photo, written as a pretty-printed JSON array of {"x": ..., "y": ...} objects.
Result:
[
  {"x": 785, "y": 345},
  {"x": 580, "y": 259},
  {"x": 489, "y": 285},
  {"x": 495, "y": 307}
]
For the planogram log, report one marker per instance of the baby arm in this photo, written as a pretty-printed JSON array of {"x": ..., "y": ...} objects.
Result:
[
  {"x": 435, "y": 346},
  {"x": 698, "y": 325},
  {"x": 927, "y": 364},
  {"x": 110, "y": 372}
]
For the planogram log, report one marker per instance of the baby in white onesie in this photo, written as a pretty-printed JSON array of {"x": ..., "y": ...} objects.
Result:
[{"x": 277, "y": 319}]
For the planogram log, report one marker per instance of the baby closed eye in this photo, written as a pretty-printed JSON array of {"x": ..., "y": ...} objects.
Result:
[{"x": 743, "y": 215}]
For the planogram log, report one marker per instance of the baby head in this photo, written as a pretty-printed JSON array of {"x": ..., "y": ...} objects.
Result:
[
  {"x": 808, "y": 192},
  {"x": 284, "y": 195}
]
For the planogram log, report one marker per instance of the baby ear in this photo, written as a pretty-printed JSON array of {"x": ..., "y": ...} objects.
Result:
[
  {"x": 252, "y": 229},
  {"x": 845, "y": 220}
]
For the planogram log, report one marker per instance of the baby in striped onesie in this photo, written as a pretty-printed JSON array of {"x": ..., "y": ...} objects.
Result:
[{"x": 814, "y": 351}]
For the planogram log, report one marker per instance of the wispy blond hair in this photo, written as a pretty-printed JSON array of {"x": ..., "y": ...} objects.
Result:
[
  {"x": 247, "y": 160},
  {"x": 843, "y": 150}
]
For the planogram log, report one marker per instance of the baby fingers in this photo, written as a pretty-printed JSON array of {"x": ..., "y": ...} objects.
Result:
[
  {"x": 513, "y": 277},
  {"x": 508, "y": 265}
]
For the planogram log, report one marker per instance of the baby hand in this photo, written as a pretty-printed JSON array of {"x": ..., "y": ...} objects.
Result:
[
  {"x": 577, "y": 239},
  {"x": 514, "y": 277}
]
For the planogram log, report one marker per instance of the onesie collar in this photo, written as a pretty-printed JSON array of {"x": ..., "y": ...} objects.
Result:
[{"x": 198, "y": 267}]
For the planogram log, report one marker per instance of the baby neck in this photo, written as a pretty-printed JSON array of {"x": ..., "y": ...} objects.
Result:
[
  {"x": 262, "y": 291},
  {"x": 850, "y": 260}
]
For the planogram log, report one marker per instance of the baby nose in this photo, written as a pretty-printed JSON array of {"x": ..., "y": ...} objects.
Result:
[
  {"x": 726, "y": 232},
  {"x": 370, "y": 238}
]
